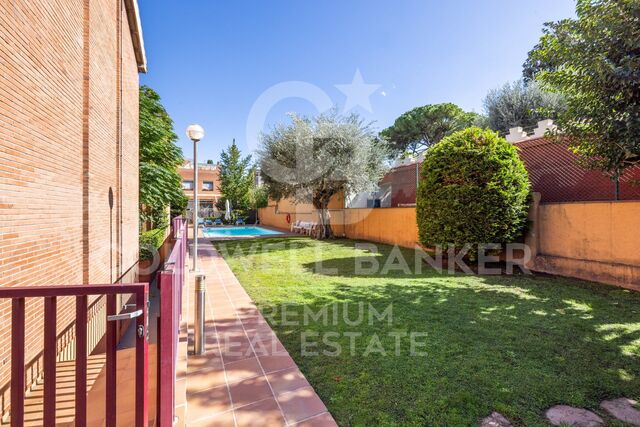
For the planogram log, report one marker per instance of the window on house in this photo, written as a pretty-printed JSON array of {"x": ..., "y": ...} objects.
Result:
[
  {"x": 187, "y": 185},
  {"x": 207, "y": 185},
  {"x": 206, "y": 204}
]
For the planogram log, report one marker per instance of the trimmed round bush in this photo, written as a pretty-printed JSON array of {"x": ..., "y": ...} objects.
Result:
[{"x": 474, "y": 189}]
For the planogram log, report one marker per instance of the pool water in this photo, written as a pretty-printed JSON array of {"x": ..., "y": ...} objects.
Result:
[{"x": 237, "y": 231}]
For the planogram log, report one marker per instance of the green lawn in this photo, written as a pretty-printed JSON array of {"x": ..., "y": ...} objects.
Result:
[{"x": 515, "y": 344}]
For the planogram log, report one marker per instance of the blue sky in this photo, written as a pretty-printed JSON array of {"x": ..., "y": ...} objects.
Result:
[{"x": 211, "y": 60}]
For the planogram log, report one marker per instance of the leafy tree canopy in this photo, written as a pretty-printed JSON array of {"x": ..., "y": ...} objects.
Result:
[
  {"x": 258, "y": 197},
  {"x": 312, "y": 159},
  {"x": 422, "y": 127},
  {"x": 160, "y": 183},
  {"x": 594, "y": 62},
  {"x": 237, "y": 176},
  {"x": 520, "y": 104}
]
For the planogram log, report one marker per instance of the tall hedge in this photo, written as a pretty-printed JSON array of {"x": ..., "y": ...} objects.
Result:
[
  {"x": 473, "y": 189},
  {"x": 150, "y": 242}
]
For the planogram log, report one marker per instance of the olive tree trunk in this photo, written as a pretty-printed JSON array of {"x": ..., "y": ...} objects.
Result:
[{"x": 321, "y": 203}]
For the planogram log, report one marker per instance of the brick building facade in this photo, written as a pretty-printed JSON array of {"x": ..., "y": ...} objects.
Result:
[
  {"x": 208, "y": 186},
  {"x": 68, "y": 151}
]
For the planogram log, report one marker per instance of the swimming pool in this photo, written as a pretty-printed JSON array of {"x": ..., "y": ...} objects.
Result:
[{"x": 243, "y": 231}]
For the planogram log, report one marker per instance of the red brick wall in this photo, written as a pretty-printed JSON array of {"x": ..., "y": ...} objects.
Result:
[{"x": 60, "y": 150}]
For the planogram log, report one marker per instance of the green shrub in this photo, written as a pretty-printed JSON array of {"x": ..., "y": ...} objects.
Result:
[
  {"x": 150, "y": 242},
  {"x": 473, "y": 189}
]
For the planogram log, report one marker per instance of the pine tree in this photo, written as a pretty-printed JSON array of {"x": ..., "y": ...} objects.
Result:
[{"x": 236, "y": 178}]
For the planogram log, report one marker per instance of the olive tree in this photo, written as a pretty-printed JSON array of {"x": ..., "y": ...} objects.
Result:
[
  {"x": 520, "y": 104},
  {"x": 312, "y": 159}
]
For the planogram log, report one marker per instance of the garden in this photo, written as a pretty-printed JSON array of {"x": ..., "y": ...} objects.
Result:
[
  {"x": 387, "y": 340},
  {"x": 439, "y": 349}
]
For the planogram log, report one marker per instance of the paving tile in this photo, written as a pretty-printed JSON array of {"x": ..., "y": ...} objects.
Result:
[
  {"x": 301, "y": 404},
  {"x": 205, "y": 378},
  {"x": 623, "y": 409},
  {"x": 248, "y": 361},
  {"x": 204, "y": 360},
  {"x": 322, "y": 420},
  {"x": 268, "y": 348},
  {"x": 243, "y": 369},
  {"x": 495, "y": 419},
  {"x": 264, "y": 413},
  {"x": 181, "y": 391},
  {"x": 235, "y": 353},
  {"x": 288, "y": 380},
  {"x": 259, "y": 341},
  {"x": 225, "y": 419},
  {"x": 561, "y": 415},
  {"x": 229, "y": 325},
  {"x": 209, "y": 402},
  {"x": 249, "y": 391},
  {"x": 232, "y": 340},
  {"x": 276, "y": 362},
  {"x": 257, "y": 329},
  {"x": 181, "y": 413}
]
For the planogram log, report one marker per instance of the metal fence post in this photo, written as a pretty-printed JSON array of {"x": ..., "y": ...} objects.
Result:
[{"x": 198, "y": 344}]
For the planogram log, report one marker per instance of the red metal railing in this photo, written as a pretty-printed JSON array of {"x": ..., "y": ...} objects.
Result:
[
  {"x": 81, "y": 292},
  {"x": 171, "y": 281}
]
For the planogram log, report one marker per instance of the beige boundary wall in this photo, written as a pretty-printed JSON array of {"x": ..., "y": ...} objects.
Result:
[
  {"x": 597, "y": 241},
  {"x": 394, "y": 226},
  {"x": 275, "y": 215}
]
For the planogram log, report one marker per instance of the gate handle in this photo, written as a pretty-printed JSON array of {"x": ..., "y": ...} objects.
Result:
[{"x": 124, "y": 316}]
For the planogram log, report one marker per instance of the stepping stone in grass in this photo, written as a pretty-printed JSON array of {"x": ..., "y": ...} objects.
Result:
[
  {"x": 496, "y": 419},
  {"x": 622, "y": 409},
  {"x": 570, "y": 416}
]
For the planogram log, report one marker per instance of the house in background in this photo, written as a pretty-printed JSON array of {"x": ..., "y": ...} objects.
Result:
[{"x": 208, "y": 186}]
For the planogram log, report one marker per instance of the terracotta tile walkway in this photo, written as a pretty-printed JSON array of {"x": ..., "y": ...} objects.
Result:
[{"x": 245, "y": 377}]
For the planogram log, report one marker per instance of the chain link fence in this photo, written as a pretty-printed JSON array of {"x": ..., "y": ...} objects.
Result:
[{"x": 554, "y": 171}]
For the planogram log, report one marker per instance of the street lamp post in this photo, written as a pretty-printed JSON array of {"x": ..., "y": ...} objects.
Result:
[{"x": 195, "y": 134}]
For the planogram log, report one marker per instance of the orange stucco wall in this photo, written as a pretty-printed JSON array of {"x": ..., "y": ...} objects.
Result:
[
  {"x": 597, "y": 241},
  {"x": 602, "y": 231},
  {"x": 275, "y": 215},
  {"x": 395, "y": 226},
  {"x": 591, "y": 240}
]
